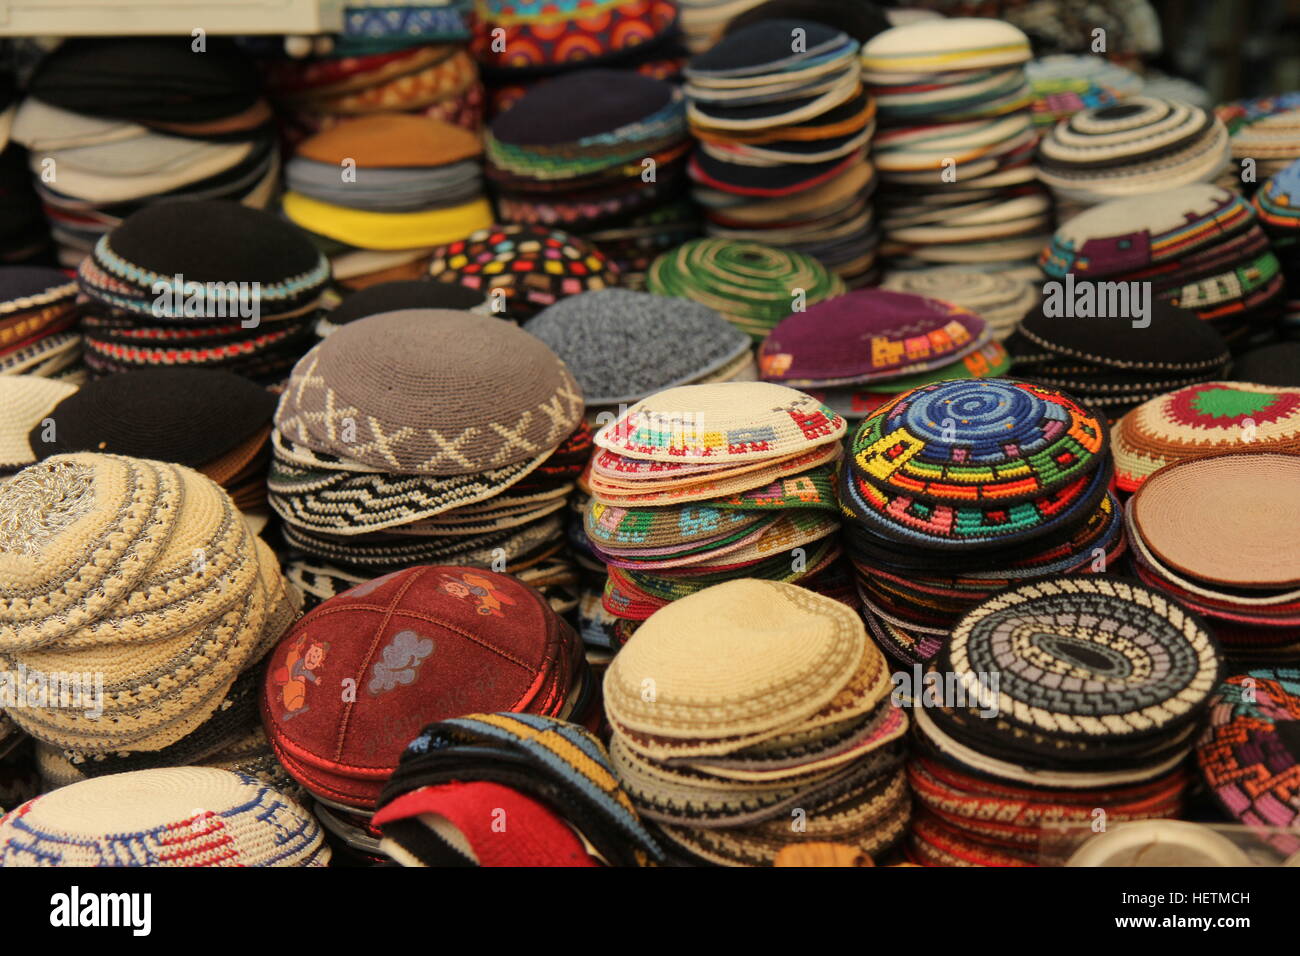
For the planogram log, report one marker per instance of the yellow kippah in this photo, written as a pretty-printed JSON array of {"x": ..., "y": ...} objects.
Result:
[{"x": 387, "y": 230}]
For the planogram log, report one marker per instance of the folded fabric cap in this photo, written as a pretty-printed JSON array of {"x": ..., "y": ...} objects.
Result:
[
  {"x": 622, "y": 345},
  {"x": 724, "y": 422},
  {"x": 391, "y": 140},
  {"x": 530, "y": 267},
  {"x": 868, "y": 334},
  {"x": 417, "y": 646},
  {"x": 184, "y": 415},
  {"x": 560, "y": 764},
  {"x": 425, "y": 391},
  {"x": 177, "y": 816},
  {"x": 1202, "y": 420},
  {"x": 27, "y": 401}
]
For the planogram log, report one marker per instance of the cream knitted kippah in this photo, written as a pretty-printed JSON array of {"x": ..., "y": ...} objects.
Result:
[
  {"x": 746, "y": 659},
  {"x": 726, "y": 421},
  {"x": 182, "y": 816}
]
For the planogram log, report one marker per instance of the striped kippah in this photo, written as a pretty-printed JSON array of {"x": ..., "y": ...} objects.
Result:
[{"x": 560, "y": 764}]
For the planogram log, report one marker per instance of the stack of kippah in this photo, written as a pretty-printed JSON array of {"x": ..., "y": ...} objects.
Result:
[
  {"x": 1130, "y": 148},
  {"x": 38, "y": 318},
  {"x": 143, "y": 574},
  {"x": 552, "y": 779},
  {"x": 426, "y": 436},
  {"x": 1249, "y": 753},
  {"x": 207, "y": 284},
  {"x": 521, "y": 270},
  {"x": 26, "y": 403},
  {"x": 754, "y": 715},
  {"x": 359, "y": 76},
  {"x": 1200, "y": 248},
  {"x": 623, "y": 346},
  {"x": 1067, "y": 83},
  {"x": 601, "y": 153},
  {"x": 780, "y": 113},
  {"x": 960, "y": 488},
  {"x": 397, "y": 295},
  {"x": 533, "y": 37},
  {"x": 1001, "y": 299},
  {"x": 210, "y": 420},
  {"x": 1072, "y": 695},
  {"x": 116, "y": 123},
  {"x": 708, "y": 483},
  {"x": 1219, "y": 534},
  {"x": 357, "y": 678},
  {"x": 1201, "y": 420},
  {"x": 1115, "y": 362},
  {"x": 1264, "y": 130},
  {"x": 1277, "y": 203},
  {"x": 856, "y": 351},
  {"x": 957, "y": 151},
  {"x": 754, "y": 286},
  {"x": 382, "y": 192},
  {"x": 182, "y": 816}
]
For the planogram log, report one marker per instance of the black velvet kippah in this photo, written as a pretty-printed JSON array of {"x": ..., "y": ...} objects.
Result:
[
  {"x": 610, "y": 99},
  {"x": 188, "y": 416},
  {"x": 158, "y": 79},
  {"x": 764, "y": 42},
  {"x": 860, "y": 19},
  {"x": 1277, "y": 365},
  {"x": 410, "y": 294},
  {"x": 214, "y": 241},
  {"x": 1175, "y": 339}
]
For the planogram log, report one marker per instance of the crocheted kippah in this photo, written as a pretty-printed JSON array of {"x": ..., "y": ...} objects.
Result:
[
  {"x": 396, "y": 296},
  {"x": 1249, "y": 752},
  {"x": 424, "y": 391},
  {"x": 181, "y": 816},
  {"x": 1204, "y": 420},
  {"x": 622, "y": 346},
  {"x": 866, "y": 335}
]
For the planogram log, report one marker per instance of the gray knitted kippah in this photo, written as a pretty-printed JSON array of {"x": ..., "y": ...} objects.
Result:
[{"x": 622, "y": 346}]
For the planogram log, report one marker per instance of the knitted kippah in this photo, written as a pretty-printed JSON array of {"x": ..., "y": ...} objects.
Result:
[
  {"x": 188, "y": 416},
  {"x": 425, "y": 391},
  {"x": 212, "y": 241},
  {"x": 531, "y": 267},
  {"x": 728, "y": 422},
  {"x": 868, "y": 334},
  {"x": 611, "y": 100},
  {"x": 753, "y": 285},
  {"x": 1250, "y": 750},
  {"x": 999, "y": 298},
  {"x": 623, "y": 345},
  {"x": 1204, "y": 420},
  {"x": 960, "y": 43},
  {"x": 1091, "y": 657},
  {"x": 181, "y": 816},
  {"x": 391, "y": 140},
  {"x": 31, "y": 287}
]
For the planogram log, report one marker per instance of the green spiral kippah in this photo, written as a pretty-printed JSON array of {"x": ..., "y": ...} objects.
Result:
[{"x": 753, "y": 285}]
